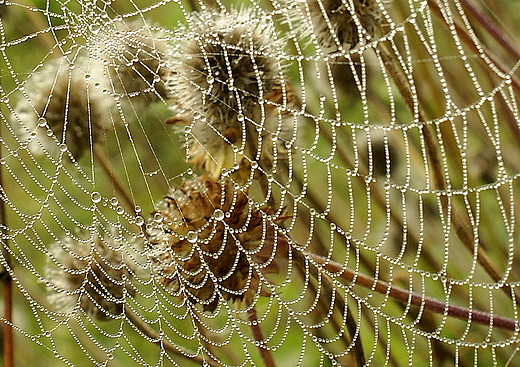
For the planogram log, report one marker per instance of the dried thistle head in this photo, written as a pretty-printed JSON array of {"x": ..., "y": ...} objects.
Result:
[
  {"x": 229, "y": 78},
  {"x": 133, "y": 60},
  {"x": 338, "y": 23},
  {"x": 95, "y": 275},
  {"x": 204, "y": 239},
  {"x": 63, "y": 107}
]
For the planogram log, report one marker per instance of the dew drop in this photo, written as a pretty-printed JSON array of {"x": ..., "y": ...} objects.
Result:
[
  {"x": 94, "y": 28},
  {"x": 157, "y": 217},
  {"x": 42, "y": 122},
  {"x": 210, "y": 79},
  {"x": 96, "y": 197},
  {"x": 138, "y": 209},
  {"x": 120, "y": 210},
  {"x": 139, "y": 220},
  {"x": 63, "y": 147},
  {"x": 240, "y": 117},
  {"x": 192, "y": 236},
  {"x": 114, "y": 201},
  {"x": 254, "y": 165},
  {"x": 218, "y": 214}
]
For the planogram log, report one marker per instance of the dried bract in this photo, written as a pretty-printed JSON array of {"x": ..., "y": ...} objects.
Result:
[
  {"x": 93, "y": 275},
  {"x": 204, "y": 239},
  {"x": 230, "y": 79}
]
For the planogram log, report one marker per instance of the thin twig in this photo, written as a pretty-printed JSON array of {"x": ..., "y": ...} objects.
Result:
[
  {"x": 415, "y": 299},
  {"x": 339, "y": 304},
  {"x": 258, "y": 336},
  {"x": 119, "y": 187},
  {"x": 156, "y": 338},
  {"x": 7, "y": 281}
]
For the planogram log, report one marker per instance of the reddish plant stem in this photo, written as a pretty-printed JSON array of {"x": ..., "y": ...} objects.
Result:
[
  {"x": 466, "y": 38},
  {"x": 119, "y": 186},
  {"x": 7, "y": 283},
  {"x": 415, "y": 299},
  {"x": 156, "y": 338},
  {"x": 489, "y": 26},
  {"x": 258, "y": 336}
]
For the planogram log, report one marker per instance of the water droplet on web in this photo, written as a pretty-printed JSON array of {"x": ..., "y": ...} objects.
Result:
[
  {"x": 157, "y": 217},
  {"x": 139, "y": 220},
  {"x": 94, "y": 28},
  {"x": 114, "y": 201},
  {"x": 96, "y": 197},
  {"x": 210, "y": 79},
  {"x": 50, "y": 133},
  {"x": 137, "y": 209},
  {"x": 240, "y": 117},
  {"x": 192, "y": 236},
  {"x": 218, "y": 214},
  {"x": 63, "y": 147},
  {"x": 42, "y": 122},
  {"x": 120, "y": 210}
]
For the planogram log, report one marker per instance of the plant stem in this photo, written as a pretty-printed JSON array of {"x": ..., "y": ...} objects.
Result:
[
  {"x": 156, "y": 338},
  {"x": 416, "y": 299},
  {"x": 489, "y": 25},
  {"x": 339, "y": 304},
  {"x": 258, "y": 336},
  {"x": 119, "y": 187},
  {"x": 7, "y": 281}
]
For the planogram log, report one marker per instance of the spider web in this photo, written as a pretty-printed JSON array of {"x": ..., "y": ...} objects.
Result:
[{"x": 260, "y": 183}]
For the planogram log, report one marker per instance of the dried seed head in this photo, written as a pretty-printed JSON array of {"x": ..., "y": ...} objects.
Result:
[
  {"x": 229, "y": 77},
  {"x": 133, "y": 58},
  {"x": 63, "y": 107},
  {"x": 204, "y": 239},
  {"x": 339, "y": 23},
  {"x": 93, "y": 275}
]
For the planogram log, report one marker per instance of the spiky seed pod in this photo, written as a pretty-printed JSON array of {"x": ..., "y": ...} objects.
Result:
[
  {"x": 94, "y": 275},
  {"x": 337, "y": 23},
  {"x": 204, "y": 238},
  {"x": 229, "y": 77},
  {"x": 133, "y": 58},
  {"x": 63, "y": 106}
]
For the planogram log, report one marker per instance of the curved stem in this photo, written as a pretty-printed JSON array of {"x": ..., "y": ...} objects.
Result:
[
  {"x": 119, "y": 186},
  {"x": 7, "y": 282},
  {"x": 156, "y": 338},
  {"x": 415, "y": 299},
  {"x": 258, "y": 335}
]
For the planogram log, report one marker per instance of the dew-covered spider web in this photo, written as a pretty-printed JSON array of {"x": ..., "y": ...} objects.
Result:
[{"x": 260, "y": 183}]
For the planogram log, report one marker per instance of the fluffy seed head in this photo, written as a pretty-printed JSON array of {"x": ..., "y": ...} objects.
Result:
[
  {"x": 339, "y": 22},
  {"x": 93, "y": 275},
  {"x": 229, "y": 77},
  {"x": 204, "y": 238},
  {"x": 133, "y": 60},
  {"x": 62, "y": 107}
]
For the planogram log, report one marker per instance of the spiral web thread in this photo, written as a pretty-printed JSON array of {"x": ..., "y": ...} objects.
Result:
[{"x": 393, "y": 158}]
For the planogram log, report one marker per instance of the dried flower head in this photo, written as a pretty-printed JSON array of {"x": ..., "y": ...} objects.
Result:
[
  {"x": 63, "y": 107},
  {"x": 93, "y": 275},
  {"x": 229, "y": 78},
  {"x": 203, "y": 241},
  {"x": 133, "y": 58},
  {"x": 339, "y": 22}
]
